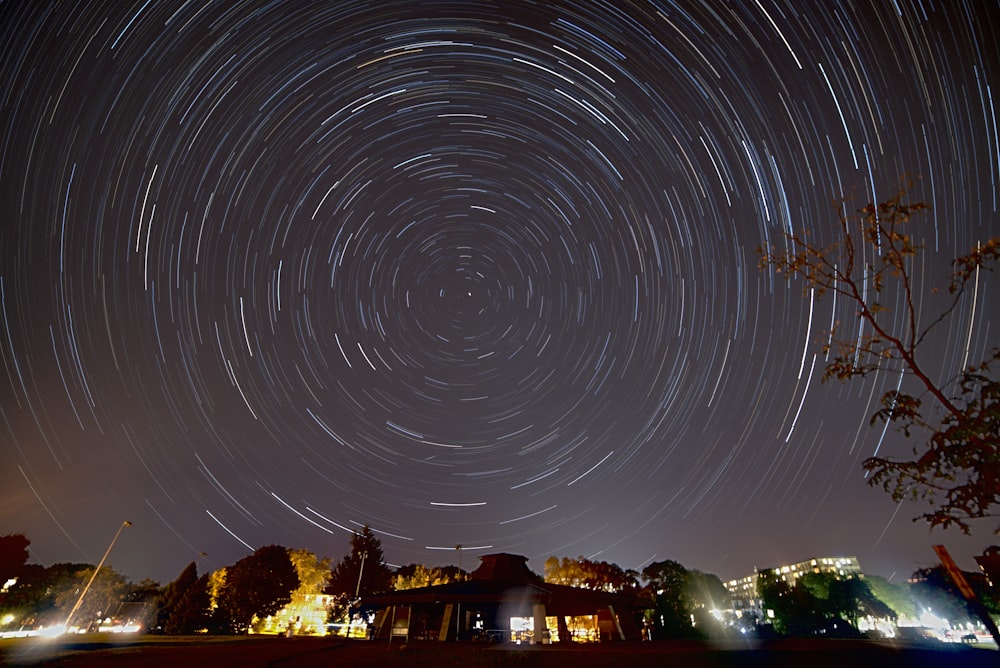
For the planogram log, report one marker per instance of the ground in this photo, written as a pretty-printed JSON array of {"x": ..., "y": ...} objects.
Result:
[{"x": 253, "y": 652}]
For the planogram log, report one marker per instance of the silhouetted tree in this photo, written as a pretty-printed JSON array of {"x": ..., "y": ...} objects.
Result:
[
  {"x": 167, "y": 600},
  {"x": 375, "y": 576},
  {"x": 667, "y": 583},
  {"x": 850, "y": 597},
  {"x": 184, "y": 604},
  {"x": 258, "y": 585},
  {"x": 819, "y": 585},
  {"x": 704, "y": 598},
  {"x": 935, "y": 591},
  {"x": 191, "y": 614},
  {"x": 874, "y": 262},
  {"x": 13, "y": 555},
  {"x": 790, "y": 610},
  {"x": 144, "y": 590},
  {"x": 24, "y": 603},
  {"x": 705, "y": 590}
]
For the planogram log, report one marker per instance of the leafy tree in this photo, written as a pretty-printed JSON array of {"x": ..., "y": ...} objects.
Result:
[
  {"x": 587, "y": 574},
  {"x": 413, "y": 576},
  {"x": 216, "y": 581},
  {"x": 298, "y": 613},
  {"x": 705, "y": 590},
  {"x": 258, "y": 585},
  {"x": 349, "y": 579},
  {"x": 687, "y": 602},
  {"x": 191, "y": 614},
  {"x": 817, "y": 584},
  {"x": 13, "y": 555},
  {"x": 108, "y": 589},
  {"x": 184, "y": 604},
  {"x": 667, "y": 582},
  {"x": 28, "y": 598},
  {"x": 851, "y": 598},
  {"x": 146, "y": 589},
  {"x": 790, "y": 610},
  {"x": 314, "y": 573},
  {"x": 873, "y": 263},
  {"x": 704, "y": 597},
  {"x": 216, "y": 621},
  {"x": 139, "y": 606},
  {"x": 896, "y": 596}
]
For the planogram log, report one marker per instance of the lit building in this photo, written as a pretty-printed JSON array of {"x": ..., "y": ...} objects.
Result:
[
  {"x": 745, "y": 593},
  {"x": 305, "y": 614}
]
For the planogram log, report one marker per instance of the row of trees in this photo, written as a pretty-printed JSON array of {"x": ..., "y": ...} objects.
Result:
[
  {"x": 224, "y": 601},
  {"x": 823, "y": 602},
  {"x": 687, "y": 603},
  {"x": 588, "y": 574}
]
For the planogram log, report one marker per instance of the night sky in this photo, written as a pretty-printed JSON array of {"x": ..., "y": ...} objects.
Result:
[{"x": 469, "y": 273}]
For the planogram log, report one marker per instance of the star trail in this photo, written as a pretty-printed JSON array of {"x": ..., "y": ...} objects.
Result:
[{"x": 468, "y": 273}]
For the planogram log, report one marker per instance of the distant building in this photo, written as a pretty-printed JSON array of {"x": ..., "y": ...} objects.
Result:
[{"x": 746, "y": 594}]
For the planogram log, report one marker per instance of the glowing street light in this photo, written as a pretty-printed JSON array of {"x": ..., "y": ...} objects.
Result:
[{"x": 76, "y": 606}]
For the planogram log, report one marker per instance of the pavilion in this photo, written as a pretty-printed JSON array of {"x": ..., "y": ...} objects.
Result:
[{"x": 504, "y": 601}]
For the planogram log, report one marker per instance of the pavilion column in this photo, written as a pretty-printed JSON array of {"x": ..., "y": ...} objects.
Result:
[
  {"x": 563, "y": 629},
  {"x": 538, "y": 612}
]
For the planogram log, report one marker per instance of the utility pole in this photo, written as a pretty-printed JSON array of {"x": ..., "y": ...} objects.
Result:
[{"x": 76, "y": 606}]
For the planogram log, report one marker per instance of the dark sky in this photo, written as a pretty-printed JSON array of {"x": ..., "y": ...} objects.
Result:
[{"x": 469, "y": 273}]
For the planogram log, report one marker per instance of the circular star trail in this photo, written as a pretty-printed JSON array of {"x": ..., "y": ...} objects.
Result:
[{"x": 466, "y": 273}]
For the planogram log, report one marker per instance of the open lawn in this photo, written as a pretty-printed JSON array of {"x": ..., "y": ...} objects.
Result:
[{"x": 255, "y": 651}]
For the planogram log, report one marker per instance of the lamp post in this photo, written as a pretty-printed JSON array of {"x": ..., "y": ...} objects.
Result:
[
  {"x": 357, "y": 595},
  {"x": 76, "y": 606},
  {"x": 458, "y": 615},
  {"x": 361, "y": 571}
]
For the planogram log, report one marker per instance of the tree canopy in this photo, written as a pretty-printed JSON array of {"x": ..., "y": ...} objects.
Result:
[
  {"x": 184, "y": 604},
  {"x": 362, "y": 572},
  {"x": 13, "y": 555},
  {"x": 258, "y": 585},
  {"x": 667, "y": 582},
  {"x": 588, "y": 574},
  {"x": 313, "y": 572},
  {"x": 413, "y": 576},
  {"x": 874, "y": 262}
]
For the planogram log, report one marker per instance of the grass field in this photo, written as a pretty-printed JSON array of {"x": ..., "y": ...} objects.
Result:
[{"x": 256, "y": 651}]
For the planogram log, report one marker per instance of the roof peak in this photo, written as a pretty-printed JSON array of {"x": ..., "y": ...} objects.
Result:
[{"x": 504, "y": 566}]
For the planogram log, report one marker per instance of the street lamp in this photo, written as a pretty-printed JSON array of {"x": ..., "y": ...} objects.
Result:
[
  {"x": 357, "y": 595},
  {"x": 361, "y": 571},
  {"x": 76, "y": 606},
  {"x": 458, "y": 612}
]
